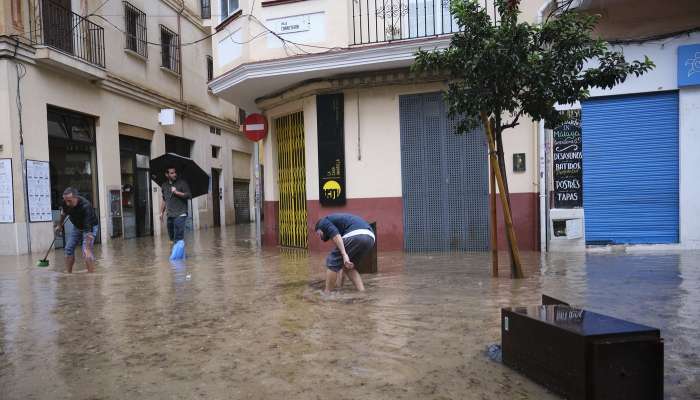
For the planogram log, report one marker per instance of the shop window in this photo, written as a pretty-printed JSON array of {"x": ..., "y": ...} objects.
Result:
[
  {"x": 215, "y": 150},
  {"x": 178, "y": 145}
]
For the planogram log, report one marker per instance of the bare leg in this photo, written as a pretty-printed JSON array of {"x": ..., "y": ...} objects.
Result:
[
  {"x": 70, "y": 260},
  {"x": 87, "y": 252},
  {"x": 356, "y": 279},
  {"x": 341, "y": 279},
  {"x": 331, "y": 278},
  {"x": 89, "y": 260}
]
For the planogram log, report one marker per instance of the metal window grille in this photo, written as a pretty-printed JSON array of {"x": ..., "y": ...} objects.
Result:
[
  {"x": 169, "y": 46},
  {"x": 206, "y": 8},
  {"x": 136, "y": 34},
  {"x": 210, "y": 68}
]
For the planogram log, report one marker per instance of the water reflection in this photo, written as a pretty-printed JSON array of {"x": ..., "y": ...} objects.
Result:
[{"x": 236, "y": 321}]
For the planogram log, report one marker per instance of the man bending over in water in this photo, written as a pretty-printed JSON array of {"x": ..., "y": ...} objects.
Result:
[{"x": 353, "y": 239}]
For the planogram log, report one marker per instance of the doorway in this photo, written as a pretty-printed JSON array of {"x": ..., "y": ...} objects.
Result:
[
  {"x": 137, "y": 210},
  {"x": 444, "y": 179},
  {"x": 72, "y": 159},
  {"x": 291, "y": 163},
  {"x": 216, "y": 194},
  {"x": 58, "y": 24},
  {"x": 241, "y": 201}
]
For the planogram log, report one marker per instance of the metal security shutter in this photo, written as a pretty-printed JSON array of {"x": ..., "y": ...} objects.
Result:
[
  {"x": 444, "y": 179},
  {"x": 630, "y": 168},
  {"x": 241, "y": 201}
]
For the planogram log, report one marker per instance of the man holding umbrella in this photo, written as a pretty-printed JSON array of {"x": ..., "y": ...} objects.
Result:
[
  {"x": 176, "y": 192},
  {"x": 180, "y": 179}
]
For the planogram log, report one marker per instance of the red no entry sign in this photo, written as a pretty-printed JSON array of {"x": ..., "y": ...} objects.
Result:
[{"x": 255, "y": 127}]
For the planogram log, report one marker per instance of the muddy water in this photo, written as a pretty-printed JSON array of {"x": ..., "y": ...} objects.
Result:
[{"x": 234, "y": 321}]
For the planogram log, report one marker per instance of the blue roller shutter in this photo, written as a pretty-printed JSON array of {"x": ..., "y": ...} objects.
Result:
[{"x": 630, "y": 168}]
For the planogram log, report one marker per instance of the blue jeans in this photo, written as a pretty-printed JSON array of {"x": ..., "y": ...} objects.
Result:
[
  {"x": 176, "y": 228},
  {"x": 77, "y": 236}
]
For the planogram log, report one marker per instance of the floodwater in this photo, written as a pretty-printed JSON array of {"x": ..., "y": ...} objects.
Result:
[{"x": 236, "y": 322}]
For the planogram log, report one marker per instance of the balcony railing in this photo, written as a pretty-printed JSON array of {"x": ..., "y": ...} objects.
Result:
[
  {"x": 376, "y": 21},
  {"x": 58, "y": 27}
]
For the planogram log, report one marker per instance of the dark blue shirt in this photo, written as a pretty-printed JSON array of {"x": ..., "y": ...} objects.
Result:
[
  {"x": 340, "y": 224},
  {"x": 82, "y": 216}
]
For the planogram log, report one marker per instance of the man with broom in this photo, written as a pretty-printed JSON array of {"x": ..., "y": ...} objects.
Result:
[{"x": 85, "y": 224}]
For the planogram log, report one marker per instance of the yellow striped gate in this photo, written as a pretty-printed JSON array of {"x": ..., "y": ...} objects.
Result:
[{"x": 292, "y": 180}]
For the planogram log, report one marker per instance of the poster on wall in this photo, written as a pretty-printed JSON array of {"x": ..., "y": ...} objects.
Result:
[
  {"x": 39, "y": 191},
  {"x": 567, "y": 160},
  {"x": 331, "y": 149},
  {"x": 7, "y": 205}
]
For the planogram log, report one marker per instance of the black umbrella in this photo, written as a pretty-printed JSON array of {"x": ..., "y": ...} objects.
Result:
[{"x": 187, "y": 169}]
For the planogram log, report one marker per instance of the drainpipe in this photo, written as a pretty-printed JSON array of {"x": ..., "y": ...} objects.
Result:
[
  {"x": 543, "y": 187},
  {"x": 543, "y": 164}
]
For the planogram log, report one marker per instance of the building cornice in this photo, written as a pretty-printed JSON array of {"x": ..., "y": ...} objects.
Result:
[
  {"x": 345, "y": 82},
  {"x": 331, "y": 60},
  {"x": 133, "y": 91},
  {"x": 17, "y": 48}
]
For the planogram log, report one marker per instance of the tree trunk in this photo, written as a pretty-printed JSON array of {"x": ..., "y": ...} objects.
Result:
[
  {"x": 502, "y": 164},
  {"x": 516, "y": 268}
]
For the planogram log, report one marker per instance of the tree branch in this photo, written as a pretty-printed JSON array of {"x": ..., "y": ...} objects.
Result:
[{"x": 513, "y": 123}]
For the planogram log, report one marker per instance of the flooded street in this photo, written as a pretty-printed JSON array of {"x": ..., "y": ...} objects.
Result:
[{"x": 234, "y": 321}]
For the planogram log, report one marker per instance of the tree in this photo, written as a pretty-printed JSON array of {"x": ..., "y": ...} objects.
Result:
[{"x": 501, "y": 71}]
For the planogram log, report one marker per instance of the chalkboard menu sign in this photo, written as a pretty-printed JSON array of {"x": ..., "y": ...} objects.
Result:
[
  {"x": 331, "y": 149},
  {"x": 567, "y": 160}
]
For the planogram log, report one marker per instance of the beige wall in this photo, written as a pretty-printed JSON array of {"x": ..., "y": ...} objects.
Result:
[
  {"x": 330, "y": 27},
  {"x": 43, "y": 87},
  {"x": 377, "y": 173}
]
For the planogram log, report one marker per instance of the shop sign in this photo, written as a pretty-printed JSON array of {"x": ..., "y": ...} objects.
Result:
[
  {"x": 567, "y": 154},
  {"x": 689, "y": 65},
  {"x": 331, "y": 149}
]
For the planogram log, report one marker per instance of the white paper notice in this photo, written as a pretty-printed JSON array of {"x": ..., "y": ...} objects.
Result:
[
  {"x": 7, "y": 204},
  {"x": 39, "y": 189}
]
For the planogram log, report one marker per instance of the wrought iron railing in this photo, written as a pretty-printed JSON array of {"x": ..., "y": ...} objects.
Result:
[
  {"x": 376, "y": 21},
  {"x": 64, "y": 30}
]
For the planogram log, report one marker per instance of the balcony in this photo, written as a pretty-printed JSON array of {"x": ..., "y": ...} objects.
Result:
[
  {"x": 67, "y": 40},
  {"x": 379, "y": 21}
]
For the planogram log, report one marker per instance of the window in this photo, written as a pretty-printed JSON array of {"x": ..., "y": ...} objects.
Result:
[
  {"x": 214, "y": 130},
  {"x": 215, "y": 150},
  {"x": 135, "y": 35},
  {"x": 241, "y": 116},
  {"x": 228, "y": 7},
  {"x": 169, "y": 45},
  {"x": 206, "y": 8},
  {"x": 210, "y": 68}
]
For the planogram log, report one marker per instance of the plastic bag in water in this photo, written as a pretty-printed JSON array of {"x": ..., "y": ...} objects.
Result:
[
  {"x": 178, "y": 252},
  {"x": 494, "y": 352}
]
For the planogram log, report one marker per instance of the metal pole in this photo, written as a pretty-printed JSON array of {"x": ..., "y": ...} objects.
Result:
[{"x": 258, "y": 193}]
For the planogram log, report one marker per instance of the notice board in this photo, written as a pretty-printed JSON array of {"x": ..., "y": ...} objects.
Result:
[
  {"x": 39, "y": 191},
  {"x": 7, "y": 205}
]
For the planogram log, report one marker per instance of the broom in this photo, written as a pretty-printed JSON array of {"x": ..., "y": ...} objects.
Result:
[{"x": 44, "y": 262}]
